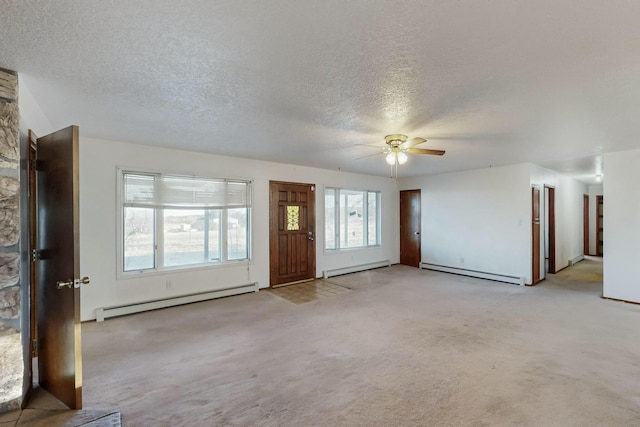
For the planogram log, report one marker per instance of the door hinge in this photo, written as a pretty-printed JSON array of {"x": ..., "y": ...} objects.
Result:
[
  {"x": 34, "y": 346},
  {"x": 34, "y": 164},
  {"x": 35, "y": 255}
]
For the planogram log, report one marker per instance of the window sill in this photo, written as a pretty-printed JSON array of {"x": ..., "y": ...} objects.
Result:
[
  {"x": 344, "y": 250},
  {"x": 177, "y": 270}
]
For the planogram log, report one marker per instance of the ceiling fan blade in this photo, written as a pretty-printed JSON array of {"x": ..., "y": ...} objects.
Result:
[
  {"x": 425, "y": 151},
  {"x": 368, "y": 145},
  {"x": 371, "y": 155},
  {"x": 415, "y": 141}
]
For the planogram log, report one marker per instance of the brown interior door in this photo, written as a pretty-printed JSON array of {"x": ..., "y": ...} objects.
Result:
[
  {"x": 535, "y": 234},
  {"x": 291, "y": 232},
  {"x": 58, "y": 269},
  {"x": 410, "y": 211}
]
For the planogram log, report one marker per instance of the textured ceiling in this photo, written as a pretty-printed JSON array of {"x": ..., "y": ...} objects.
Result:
[{"x": 492, "y": 82}]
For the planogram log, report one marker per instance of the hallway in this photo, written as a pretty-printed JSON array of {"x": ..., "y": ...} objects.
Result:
[{"x": 585, "y": 276}]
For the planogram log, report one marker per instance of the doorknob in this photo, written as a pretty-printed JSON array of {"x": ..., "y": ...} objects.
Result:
[
  {"x": 61, "y": 285},
  {"x": 417, "y": 233},
  {"x": 311, "y": 236},
  {"x": 75, "y": 283}
]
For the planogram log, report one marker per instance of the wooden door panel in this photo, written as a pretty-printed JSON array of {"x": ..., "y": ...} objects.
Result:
[
  {"x": 410, "y": 224},
  {"x": 283, "y": 258},
  {"x": 303, "y": 247},
  {"x": 58, "y": 316},
  {"x": 292, "y": 237}
]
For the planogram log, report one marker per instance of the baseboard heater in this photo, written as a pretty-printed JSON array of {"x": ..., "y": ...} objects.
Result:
[
  {"x": 576, "y": 260},
  {"x": 121, "y": 310},
  {"x": 355, "y": 268},
  {"x": 474, "y": 273}
]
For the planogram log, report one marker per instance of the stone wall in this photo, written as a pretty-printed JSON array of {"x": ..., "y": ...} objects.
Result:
[{"x": 11, "y": 347}]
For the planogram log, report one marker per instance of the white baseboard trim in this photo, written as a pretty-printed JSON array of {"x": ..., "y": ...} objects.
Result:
[
  {"x": 355, "y": 268},
  {"x": 576, "y": 260},
  {"x": 121, "y": 310},
  {"x": 474, "y": 273}
]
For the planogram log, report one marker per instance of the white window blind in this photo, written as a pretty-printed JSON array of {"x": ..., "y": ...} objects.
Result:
[
  {"x": 172, "y": 191},
  {"x": 181, "y": 221}
]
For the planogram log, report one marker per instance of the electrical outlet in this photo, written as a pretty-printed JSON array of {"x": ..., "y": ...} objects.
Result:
[
  {"x": 461, "y": 260},
  {"x": 168, "y": 284}
]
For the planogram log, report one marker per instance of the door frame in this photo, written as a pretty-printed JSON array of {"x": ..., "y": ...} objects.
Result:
[
  {"x": 585, "y": 224},
  {"x": 273, "y": 232},
  {"x": 32, "y": 239},
  {"x": 535, "y": 235}
]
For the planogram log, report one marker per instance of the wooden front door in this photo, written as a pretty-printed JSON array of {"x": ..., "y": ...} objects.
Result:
[
  {"x": 410, "y": 240},
  {"x": 535, "y": 235},
  {"x": 58, "y": 267},
  {"x": 292, "y": 232}
]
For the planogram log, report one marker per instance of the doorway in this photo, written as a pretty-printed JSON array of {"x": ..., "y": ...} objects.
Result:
[
  {"x": 410, "y": 224},
  {"x": 292, "y": 221}
]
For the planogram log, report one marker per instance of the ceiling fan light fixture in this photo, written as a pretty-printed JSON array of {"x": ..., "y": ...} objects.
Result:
[
  {"x": 391, "y": 158},
  {"x": 402, "y": 158},
  {"x": 398, "y": 147}
]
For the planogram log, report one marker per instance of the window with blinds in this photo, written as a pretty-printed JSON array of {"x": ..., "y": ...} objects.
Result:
[{"x": 173, "y": 221}]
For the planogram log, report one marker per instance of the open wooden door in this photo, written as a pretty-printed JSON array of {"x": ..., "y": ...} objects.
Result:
[
  {"x": 410, "y": 223},
  {"x": 291, "y": 232},
  {"x": 58, "y": 267}
]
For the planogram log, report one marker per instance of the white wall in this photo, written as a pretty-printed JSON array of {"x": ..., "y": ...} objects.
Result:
[
  {"x": 481, "y": 219},
  {"x": 31, "y": 115},
  {"x": 594, "y": 190},
  {"x": 622, "y": 226},
  {"x": 478, "y": 220},
  {"x": 98, "y": 233},
  {"x": 568, "y": 212}
]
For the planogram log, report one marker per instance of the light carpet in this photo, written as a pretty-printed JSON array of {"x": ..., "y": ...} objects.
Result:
[{"x": 406, "y": 347}]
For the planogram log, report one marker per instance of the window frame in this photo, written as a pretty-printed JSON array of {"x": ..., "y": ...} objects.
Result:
[
  {"x": 158, "y": 229},
  {"x": 337, "y": 196}
]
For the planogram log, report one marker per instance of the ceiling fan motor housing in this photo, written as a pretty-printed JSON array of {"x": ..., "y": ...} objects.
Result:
[{"x": 395, "y": 140}]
